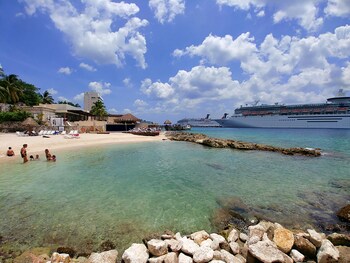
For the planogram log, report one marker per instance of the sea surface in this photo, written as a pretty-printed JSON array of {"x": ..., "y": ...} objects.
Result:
[{"x": 123, "y": 193}]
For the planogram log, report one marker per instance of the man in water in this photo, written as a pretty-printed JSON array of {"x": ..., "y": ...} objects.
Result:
[
  {"x": 24, "y": 153},
  {"x": 10, "y": 152}
]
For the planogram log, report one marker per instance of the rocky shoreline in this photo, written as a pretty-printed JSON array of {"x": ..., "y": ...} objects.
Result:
[
  {"x": 263, "y": 242},
  {"x": 238, "y": 145}
]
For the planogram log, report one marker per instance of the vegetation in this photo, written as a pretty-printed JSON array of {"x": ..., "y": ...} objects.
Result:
[
  {"x": 47, "y": 98},
  {"x": 14, "y": 116},
  {"x": 69, "y": 103},
  {"x": 99, "y": 109}
]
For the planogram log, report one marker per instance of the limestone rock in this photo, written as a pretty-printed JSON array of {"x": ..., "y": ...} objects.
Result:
[
  {"x": 233, "y": 236},
  {"x": 256, "y": 231},
  {"x": 171, "y": 258},
  {"x": 344, "y": 213},
  {"x": 227, "y": 257},
  {"x": 243, "y": 237},
  {"x": 217, "y": 261},
  {"x": 174, "y": 244},
  {"x": 39, "y": 255},
  {"x": 157, "y": 259},
  {"x": 217, "y": 237},
  {"x": 315, "y": 238},
  {"x": 137, "y": 253},
  {"x": 327, "y": 253},
  {"x": 304, "y": 246},
  {"x": 297, "y": 256},
  {"x": 199, "y": 236},
  {"x": 189, "y": 246},
  {"x": 235, "y": 248},
  {"x": 266, "y": 253},
  {"x": 178, "y": 236},
  {"x": 240, "y": 259},
  {"x": 61, "y": 258},
  {"x": 184, "y": 259},
  {"x": 203, "y": 254},
  {"x": 103, "y": 257},
  {"x": 344, "y": 254},
  {"x": 339, "y": 239},
  {"x": 157, "y": 247},
  {"x": 284, "y": 239}
]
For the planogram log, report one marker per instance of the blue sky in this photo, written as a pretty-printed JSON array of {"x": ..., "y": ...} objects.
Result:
[{"x": 170, "y": 59}]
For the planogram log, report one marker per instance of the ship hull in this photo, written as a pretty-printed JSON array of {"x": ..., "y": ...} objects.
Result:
[{"x": 323, "y": 121}]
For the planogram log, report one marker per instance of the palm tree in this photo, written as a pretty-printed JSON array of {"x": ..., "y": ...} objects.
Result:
[
  {"x": 47, "y": 98},
  {"x": 99, "y": 109},
  {"x": 13, "y": 87}
]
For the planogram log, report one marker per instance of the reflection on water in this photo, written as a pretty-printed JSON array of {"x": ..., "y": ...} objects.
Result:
[{"x": 123, "y": 193}]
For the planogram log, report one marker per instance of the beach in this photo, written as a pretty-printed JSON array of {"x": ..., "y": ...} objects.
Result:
[{"x": 37, "y": 144}]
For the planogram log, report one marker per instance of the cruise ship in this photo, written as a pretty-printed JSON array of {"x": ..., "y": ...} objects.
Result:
[
  {"x": 334, "y": 114},
  {"x": 202, "y": 122}
]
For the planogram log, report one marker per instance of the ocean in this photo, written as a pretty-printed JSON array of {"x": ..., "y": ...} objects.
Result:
[{"x": 123, "y": 193}]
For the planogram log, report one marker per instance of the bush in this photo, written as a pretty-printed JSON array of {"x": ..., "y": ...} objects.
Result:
[{"x": 14, "y": 116}]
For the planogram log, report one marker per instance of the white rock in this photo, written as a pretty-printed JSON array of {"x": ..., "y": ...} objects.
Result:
[
  {"x": 217, "y": 255},
  {"x": 184, "y": 259},
  {"x": 171, "y": 258},
  {"x": 103, "y": 257},
  {"x": 233, "y": 236},
  {"x": 207, "y": 243},
  {"x": 235, "y": 248},
  {"x": 199, "y": 236},
  {"x": 203, "y": 254},
  {"x": 239, "y": 259},
  {"x": 217, "y": 237},
  {"x": 157, "y": 247},
  {"x": 166, "y": 236},
  {"x": 243, "y": 237},
  {"x": 263, "y": 251},
  {"x": 297, "y": 256},
  {"x": 189, "y": 246},
  {"x": 157, "y": 259},
  {"x": 253, "y": 240},
  {"x": 215, "y": 245},
  {"x": 178, "y": 236},
  {"x": 64, "y": 258},
  {"x": 327, "y": 253},
  {"x": 174, "y": 244},
  {"x": 256, "y": 231},
  {"x": 137, "y": 253},
  {"x": 315, "y": 238},
  {"x": 217, "y": 261},
  {"x": 227, "y": 257}
]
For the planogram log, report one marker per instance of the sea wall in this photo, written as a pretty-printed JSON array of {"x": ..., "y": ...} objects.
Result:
[{"x": 238, "y": 145}]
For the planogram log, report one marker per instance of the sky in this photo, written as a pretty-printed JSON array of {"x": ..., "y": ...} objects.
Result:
[{"x": 171, "y": 59}]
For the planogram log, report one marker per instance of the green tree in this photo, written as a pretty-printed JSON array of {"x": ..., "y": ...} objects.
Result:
[
  {"x": 30, "y": 94},
  {"x": 11, "y": 88},
  {"x": 47, "y": 98},
  {"x": 69, "y": 103},
  {"x": 99, "y": 110}
]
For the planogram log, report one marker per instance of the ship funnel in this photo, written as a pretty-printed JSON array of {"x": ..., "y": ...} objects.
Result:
[
  {"x": 225, "y": 115},
  {"x": 207, "y": 116}
]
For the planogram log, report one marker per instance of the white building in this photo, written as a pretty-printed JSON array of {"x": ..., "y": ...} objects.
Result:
[{"x": 89, "y": 99}]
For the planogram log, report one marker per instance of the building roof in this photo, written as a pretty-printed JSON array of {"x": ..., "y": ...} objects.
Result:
[{"x": 124, "y": 118}]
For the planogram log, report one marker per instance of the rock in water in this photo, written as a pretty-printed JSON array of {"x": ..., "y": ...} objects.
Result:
[
  {"x": 157, "y": 247},
  {"x": 103, "y": 257},
  {"x": 344, "y": 213},
  {"x": 137, "y": 253},
  {"x": 284, "y": 239},
  {"x": 327, "y": 253}
]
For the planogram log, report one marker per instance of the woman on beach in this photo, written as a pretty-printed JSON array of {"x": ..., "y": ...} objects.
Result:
[{"x": 24, "y": 153}]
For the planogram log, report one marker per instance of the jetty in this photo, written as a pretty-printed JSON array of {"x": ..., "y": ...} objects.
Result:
[{"x": 239, "y": 145}]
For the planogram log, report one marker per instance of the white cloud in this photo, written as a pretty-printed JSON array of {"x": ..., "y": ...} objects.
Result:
[
  {"x": 158, "y": 89},
  {"x": 87, "y": 67},
  {"x": 112, "y": 110},
  {"x": 94, "y": 33},
  {"x": 79, "y": 97},
  {"x": 127, "y": 83},
  {"x": 140, "y": 103},
  {"x": 52, "y": 91},
  {"x": 65, "y": 70},
  {"x": 167, "y": 10},
  {"x": 338, "y": 8},
  {"x": 127, "y": 111},
  {"x": 61, "y": 98},
  {"x": 100, "y": 87},
  {"x": 346, "y": 76}
]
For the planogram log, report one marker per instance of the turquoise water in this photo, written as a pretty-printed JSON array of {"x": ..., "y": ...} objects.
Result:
[{"x": 123, "y": 193}]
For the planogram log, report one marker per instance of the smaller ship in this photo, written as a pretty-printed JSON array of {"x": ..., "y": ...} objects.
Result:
[{"x": 200, "y": 122}]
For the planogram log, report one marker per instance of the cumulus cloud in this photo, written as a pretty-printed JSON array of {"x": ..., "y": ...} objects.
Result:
[
  {"x": 127, "y": 83},
  {"x": 94, "y": 33},
  {"x": 65, "y": 70},
  {"x": 87, "y": 67},
  {"x": 100, "y": 87},
  {"x": 305, "y": 12},
  {"x": 167, "y": 10},
  {"x": 52, "y": 91},
  {"x": 112, "y": 110},
  {"x": 79, "y": 97},
  {"x": 61, "y": 98},
  {"x": 339, "y": 8},
  {"x": 140, "y": 103}
]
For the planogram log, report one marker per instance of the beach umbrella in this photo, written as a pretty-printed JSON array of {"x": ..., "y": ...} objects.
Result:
[{"x": 167, "y": 122}]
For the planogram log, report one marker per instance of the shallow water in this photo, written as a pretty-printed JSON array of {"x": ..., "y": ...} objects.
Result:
[{"x": 124, "y": 192}]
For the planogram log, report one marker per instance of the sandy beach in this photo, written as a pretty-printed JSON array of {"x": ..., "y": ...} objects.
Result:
[{"x": 37, "y": 144}]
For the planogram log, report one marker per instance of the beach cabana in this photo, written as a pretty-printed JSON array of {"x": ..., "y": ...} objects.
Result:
[{"x": 167, "y": 122}]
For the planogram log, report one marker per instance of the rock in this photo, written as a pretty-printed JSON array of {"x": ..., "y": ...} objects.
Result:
[
  {"x": 225, "y": 246},
  {"x": 266, "y": 253},
  {"x": 315, "y": 238},
  {"x": 157, "y": 259},
  {"x": 305, "y": 247},
  {"x": 178, "y": 236},
  {"x": 243, "y": 237},
  {"x": 103, "y": 257},
  {"x": 234, "y": 248},
  {"x": 240, "y": 259},
  {"x": 284, "y": 239},
  {"x": 339, "y": 239},
  {"x": 189, "y": 246},
  {"x": 227, "y": 257},
  {"x": 233, "y": 236},
  {"x": 217, "y": 261},
  {"x": 39, "y": 255},
  {"x": 327, "y": 253},
  {"x": 203, "y": 254},
  {"x": 256, "y": 231},
  {"x": 344, "y": 213},
  {"x": 174, "y": 244},
  {"x": 106, "y": 246},
  {"x": 344, "y": 254},
  {"x": 137, "y": 253},
  {"x": 66, "y": 250},
  {"x": 217, "y": 237},
  {"x": 171, "y": 258},
  {"x": 297, "y": 256},
  {"x": 60, "y": 258},
  {"x": 184, "y": 259},
  {"x": 157, "y": 247},
  {"x": 199, "y": 236}
]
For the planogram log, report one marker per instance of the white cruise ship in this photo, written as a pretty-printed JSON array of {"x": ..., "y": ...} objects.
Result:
[
  {"x": 202, "y": 122},
  {"x": 334, "y": 114}
]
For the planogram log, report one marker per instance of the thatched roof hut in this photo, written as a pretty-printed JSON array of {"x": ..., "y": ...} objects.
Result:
[
  {"x": 30, "y": 122},
  {"x": 167, "y": 122}
]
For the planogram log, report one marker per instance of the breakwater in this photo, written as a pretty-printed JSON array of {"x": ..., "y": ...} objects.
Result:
[{"x": 239, "y": 145}]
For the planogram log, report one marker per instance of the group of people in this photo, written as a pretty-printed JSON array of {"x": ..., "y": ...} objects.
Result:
[{"x": 24, "y": 156}]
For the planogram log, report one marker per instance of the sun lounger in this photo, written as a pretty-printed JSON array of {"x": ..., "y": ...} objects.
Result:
[{"x": 21, "y": 134}]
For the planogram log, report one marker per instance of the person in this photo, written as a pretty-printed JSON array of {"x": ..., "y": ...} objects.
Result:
[
  {"x": 31, "y": 158},
  {"x": 37, "y": 157},
  {"x": 53, "y": 158},
  {"x": 10, "y": 152},
  {"x": 24, "y": 153},
  {"x": 48, "y": 155}
]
